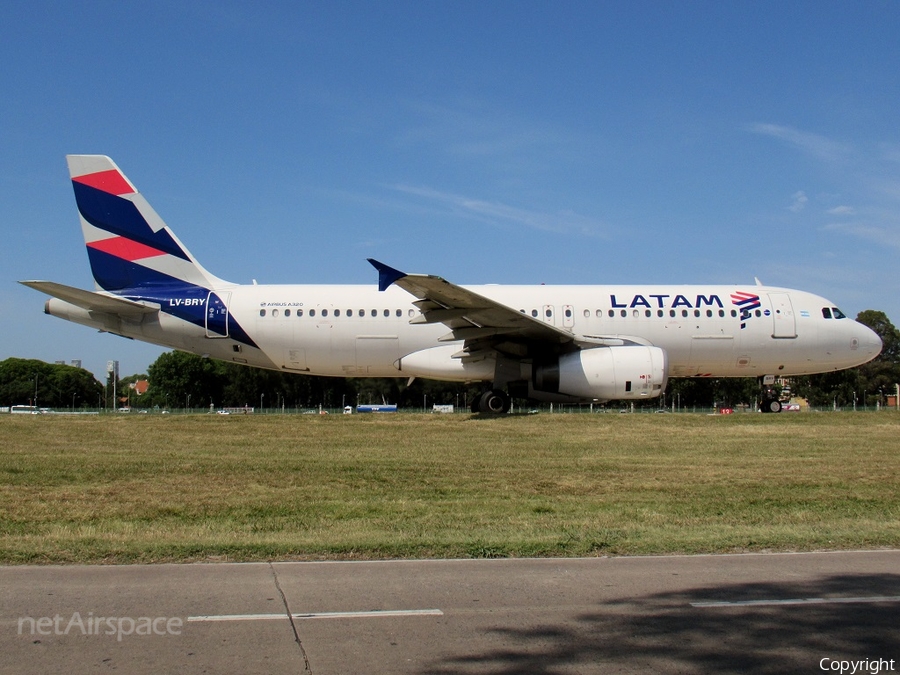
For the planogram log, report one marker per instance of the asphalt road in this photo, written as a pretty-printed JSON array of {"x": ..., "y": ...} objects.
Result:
[{"x": 767, "y": 613}]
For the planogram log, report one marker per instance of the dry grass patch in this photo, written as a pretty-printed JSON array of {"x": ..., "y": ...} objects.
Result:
[{"x": 155, "y": 488}]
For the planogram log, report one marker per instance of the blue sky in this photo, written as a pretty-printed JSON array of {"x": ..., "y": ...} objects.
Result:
[{"x": 488, "y": 142}]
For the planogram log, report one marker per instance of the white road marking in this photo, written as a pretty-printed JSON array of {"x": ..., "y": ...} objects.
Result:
[{"x": 376, "y": 613}]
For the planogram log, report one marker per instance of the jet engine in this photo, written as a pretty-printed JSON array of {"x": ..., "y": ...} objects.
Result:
[
  {"x": 604, "y": 373},
  {"x": 439, "y": 363}
]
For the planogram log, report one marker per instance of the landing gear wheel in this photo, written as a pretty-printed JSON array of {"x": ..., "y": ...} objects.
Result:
[
  {"x": 495, "y": 402},
  {"x": 771, "y": 405}
]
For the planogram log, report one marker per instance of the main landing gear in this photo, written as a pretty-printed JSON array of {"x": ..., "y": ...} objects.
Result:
[
  {"x": 769, "y": 402},
  {"x": 770, "y": 405},
  {"x": 493, "y": 401}
]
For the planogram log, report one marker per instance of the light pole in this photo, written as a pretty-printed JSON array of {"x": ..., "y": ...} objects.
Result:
[{"x": 261, "y": 396}]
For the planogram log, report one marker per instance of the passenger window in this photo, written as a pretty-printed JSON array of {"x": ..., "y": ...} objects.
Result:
[
  {"x": 337, "y": 312},
  {"x": 734, "y": 314},
  {"x": 362, "y": 313},
  {"x": 411, "y": 313},
  {"x": 274, "y": 312},
  {"x": 648, "y": 313},
  {"x": 262, "y": 312},
  {"x": 659, "y": 313},
  {"x": 374, "y": 312},
  {"x": 399, "y": 313},
  {"x": 312, "y": 312},
  {"x": 624, "y": 314},
  {"x": 611, "y": 314},
  {"x": 548, "y": 313},
  {"x": 838, "y": 314},
  {"x": 587, "y": 314},
  {"x": 721, "y": 313},
  {"x": 599, "y": 313},
  {"x": 696, "y": 312},
  {"x": 287, "y": 312},
  {"x": 568, "y": 313},
  {"x": 324, "y": 312},
  {"x": 708, "y": 313},
  {"x": 758, "y": 313},
  {"x": 387, "y": 312},
  {"x": 534, "y": 313},
  {"x": 299, "y": 312},
  {"x": 672, "y": 313},
  {"x": 684, "y": 313}
]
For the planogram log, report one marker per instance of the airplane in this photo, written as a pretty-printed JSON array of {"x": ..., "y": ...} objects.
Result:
[{"x": 568, "y": 344}]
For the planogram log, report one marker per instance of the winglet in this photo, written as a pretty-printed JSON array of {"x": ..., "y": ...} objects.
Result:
[{"x": 386, "y": 275}]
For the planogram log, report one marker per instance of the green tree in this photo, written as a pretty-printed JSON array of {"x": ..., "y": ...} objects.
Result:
[
  {"x": 178, "y": 379},
  {"x": 34, "y": 382},
  {"x": 724, "y": 392},
  {"x": 880, "y": 376}
]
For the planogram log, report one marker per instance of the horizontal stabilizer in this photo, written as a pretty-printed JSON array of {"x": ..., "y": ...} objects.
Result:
[{"x": 91, "y": 301}]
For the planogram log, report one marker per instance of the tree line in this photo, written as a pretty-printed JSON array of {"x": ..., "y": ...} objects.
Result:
[
  {"x": 47, "y": 385},
  {"x": 181, "y": 380}
]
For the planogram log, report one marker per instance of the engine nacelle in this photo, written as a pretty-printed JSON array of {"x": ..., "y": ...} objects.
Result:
[
  {"x": 605, "y": 373},
  {"x": 438, "y": 363}
]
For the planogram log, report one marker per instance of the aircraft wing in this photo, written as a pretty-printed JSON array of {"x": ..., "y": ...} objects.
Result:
[
  {"x": 91, "y": 301},
  {"x": 481, "y": 322}
]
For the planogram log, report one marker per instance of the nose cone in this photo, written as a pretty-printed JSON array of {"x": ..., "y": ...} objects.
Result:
[{"x": 869, "y": 344}]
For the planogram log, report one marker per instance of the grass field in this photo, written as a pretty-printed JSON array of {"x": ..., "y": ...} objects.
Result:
[{"x": 206, "y": 487}]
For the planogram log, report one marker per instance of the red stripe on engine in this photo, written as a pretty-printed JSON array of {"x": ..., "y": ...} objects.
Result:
[
  {"x": 125, "y": 248},
  {"x": 110, "y": 181}
]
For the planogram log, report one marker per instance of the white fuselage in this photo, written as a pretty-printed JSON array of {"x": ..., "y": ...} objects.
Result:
[{"x": 358, "y": 331}]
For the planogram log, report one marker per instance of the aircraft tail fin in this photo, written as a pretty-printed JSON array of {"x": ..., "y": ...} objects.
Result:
[{"x": 128, "y": 244}]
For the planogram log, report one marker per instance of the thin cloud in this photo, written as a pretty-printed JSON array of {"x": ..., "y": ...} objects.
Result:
[
  {"x": 477, "y": 129},
  {"x": 800, "y": 201},
  {"x": 564, "y": 222},
  {"x": 842, "y": 211},
  {"x": 880, "y": 235},
  {"x": 816, "y": 145},
  {"x": 890, "y": 152}
]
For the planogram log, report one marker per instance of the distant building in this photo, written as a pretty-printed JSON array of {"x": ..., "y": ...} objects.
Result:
[{"x": 140, "y": 387}]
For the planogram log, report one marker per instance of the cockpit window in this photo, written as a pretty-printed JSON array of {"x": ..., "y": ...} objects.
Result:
[
  {"x": 838, "y": 314},
  {"x": 826, "y": 313}
]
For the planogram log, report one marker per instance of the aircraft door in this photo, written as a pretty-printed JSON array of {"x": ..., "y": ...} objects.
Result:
[
  {"x": 217, "y": 314},
  {"x": 785, "y": 323}
]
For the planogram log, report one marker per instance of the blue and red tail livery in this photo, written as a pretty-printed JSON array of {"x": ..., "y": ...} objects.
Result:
[
  {"x": 128, "y": 244},
  {"x": 136, "y": 256}
]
